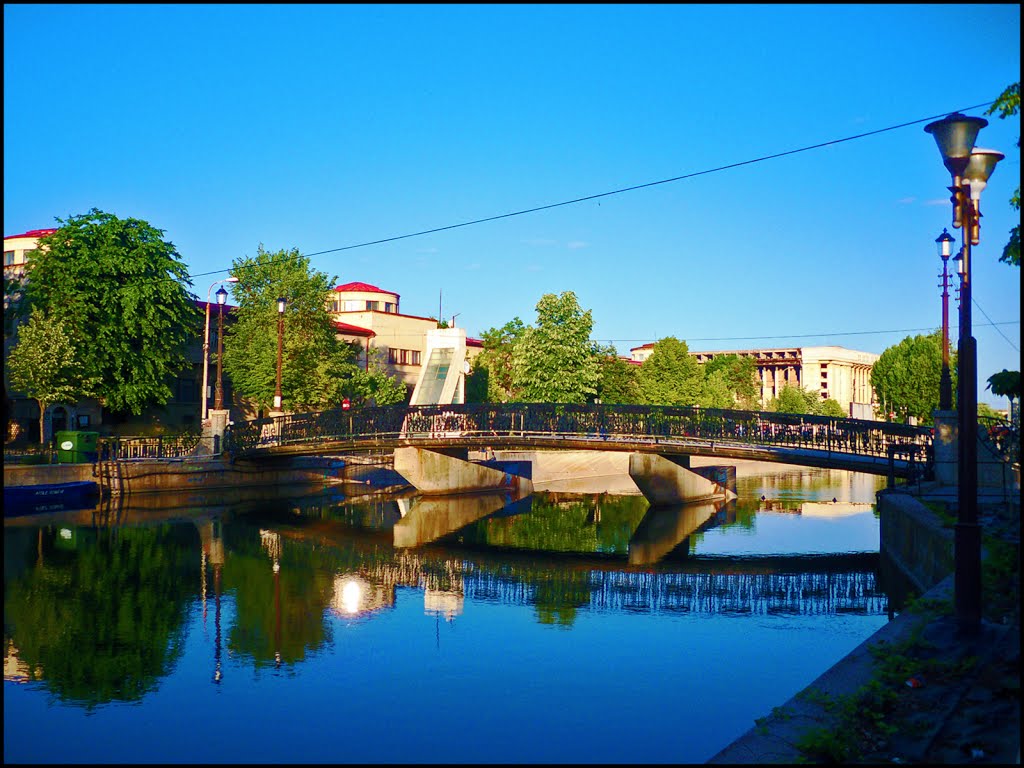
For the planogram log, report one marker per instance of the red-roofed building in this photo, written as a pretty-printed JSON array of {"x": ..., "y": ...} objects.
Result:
[{"x": 370, "y": 315}]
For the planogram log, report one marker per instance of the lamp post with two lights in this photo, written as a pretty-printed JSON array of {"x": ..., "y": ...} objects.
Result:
[{"x": 969, "y": 168}]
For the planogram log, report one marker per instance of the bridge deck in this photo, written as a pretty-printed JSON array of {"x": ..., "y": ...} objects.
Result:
[{"x": 816, "y": 441}]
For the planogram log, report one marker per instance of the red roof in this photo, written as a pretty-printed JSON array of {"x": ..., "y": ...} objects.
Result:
[
  {"x": 363, "y": 287},
  {"x": 354, "y": 330},
  {"x": 473, "y": 342},
  {"x": 32, "y": 233}
]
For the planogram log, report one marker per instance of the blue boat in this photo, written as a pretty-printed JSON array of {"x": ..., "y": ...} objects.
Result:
[{"x": 56, "y": 497}]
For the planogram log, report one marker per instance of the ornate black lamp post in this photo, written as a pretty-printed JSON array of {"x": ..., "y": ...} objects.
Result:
[
  {"x": 281, "y": 302},
  {"x": 970, "y": 169},
  {"x": 945, "y": 242},
  {"x": 206, "y": 341},
  {"x": 222, "y": 297}
]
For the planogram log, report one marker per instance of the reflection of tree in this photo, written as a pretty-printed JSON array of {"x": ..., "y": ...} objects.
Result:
[
  {"x": 104, "y": 622},
  {"x": 560, "y": 595},
  {"x": 291, "y": 624},
  {"x": 584, "y": 524}
]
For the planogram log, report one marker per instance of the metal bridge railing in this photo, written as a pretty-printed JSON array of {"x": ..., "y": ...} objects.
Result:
[{"x": 593, "y": 422}]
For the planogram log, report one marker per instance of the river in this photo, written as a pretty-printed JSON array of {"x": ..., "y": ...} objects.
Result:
[{"x": 313, "y": 626}]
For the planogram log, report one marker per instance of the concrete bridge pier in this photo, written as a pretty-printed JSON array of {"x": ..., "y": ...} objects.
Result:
[
  {"x": 438, "y": 472},
  {"x": 665, "y": 480}
]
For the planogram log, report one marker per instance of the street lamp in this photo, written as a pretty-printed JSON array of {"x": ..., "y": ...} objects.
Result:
[
  {"x": 206, "y": 341},
  {"x": 281, "y": 302},
  {"x": 945, "y": 243},
  {"x": 970, "y": 169},
  {"x": 222, "y": 297}
]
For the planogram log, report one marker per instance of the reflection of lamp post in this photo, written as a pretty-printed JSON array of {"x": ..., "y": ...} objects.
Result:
[
  {"x": 969, "y": 168},
  {"x": 281, "y": 302},
  {"x": 222, "y": 296},
  {"x": 945, "y": 243},
  {"x": 206, "y": 341}
]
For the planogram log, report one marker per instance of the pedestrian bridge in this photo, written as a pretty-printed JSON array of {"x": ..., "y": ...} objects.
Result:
[{"x": 858, "y": 445}]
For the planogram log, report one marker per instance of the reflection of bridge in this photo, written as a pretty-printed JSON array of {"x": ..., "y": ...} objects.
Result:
[
  {"x": 718, "y": 588},
  {"x": 818, "y": 441}
]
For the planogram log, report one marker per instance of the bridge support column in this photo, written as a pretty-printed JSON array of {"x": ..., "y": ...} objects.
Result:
[
  {"x": 436, "y": 473},
  {"x": 665, "y": 480}
]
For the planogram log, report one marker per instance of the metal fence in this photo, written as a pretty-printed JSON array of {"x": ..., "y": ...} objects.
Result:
[
  {"x": 582, "y": 422},
  {"x": 117, "y": 448}
]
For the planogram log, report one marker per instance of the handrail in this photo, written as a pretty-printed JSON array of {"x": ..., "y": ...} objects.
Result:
[{"x": 596, "y": 422}]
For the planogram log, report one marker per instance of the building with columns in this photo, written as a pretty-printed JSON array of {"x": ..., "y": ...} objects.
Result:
[{"x": 833, "y": 372}]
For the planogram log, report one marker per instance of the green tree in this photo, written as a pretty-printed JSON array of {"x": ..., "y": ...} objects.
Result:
[
  {"x": 794, "y": 399},
  {"x": 318, "y": 371},
  {"x": 740, "y": 377},
  {"x": 119, "y": 285},
  {"x": 496, "y": 360},
  {"x": 830, "y": 407},
  {"x": 554, "y": 361},
  {"x": 46, "y": 365},
  {"x": 716, "y": 391},
  {"x": 670, "y": 376},
  {"x": 1008, "y": 105},
  {"x": 906, "y": 377},
  {"x": 618, "y": 383}
]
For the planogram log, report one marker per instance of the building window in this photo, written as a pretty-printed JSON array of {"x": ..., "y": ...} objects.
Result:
[
  {"x": 8, "y": 258},
  {"x": 354, "y": 306},
  {"x": 373, "y": 306},
  {"x": 404, "y": 356},
  {"x": 389, "y": 307},
  {"x": 83, "y": 420},
  {"x": 188, "y": 391}
]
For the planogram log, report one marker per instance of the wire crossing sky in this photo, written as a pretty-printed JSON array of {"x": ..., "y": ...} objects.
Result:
[{"x": 477, "y": 157}]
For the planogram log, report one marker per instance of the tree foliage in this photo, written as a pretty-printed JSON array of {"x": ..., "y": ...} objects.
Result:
[
  {"x": 796, "y": 399},
  {"x": 618, "y": 382},
  {"x": 670, "y": 376},
  {"x": 318, "y": 371},
  {"x": 123, "y": 290},
  {"x": 906, "y": 377},
  {"x": 1005, "y": 384},
  {"x": 46, "y": 365},
  {"x": 1008, "y": 105},
  {"x": 554, "y": 361},
  {"x": 492, "y": 368},
  {"x": 739, "y": 377}
]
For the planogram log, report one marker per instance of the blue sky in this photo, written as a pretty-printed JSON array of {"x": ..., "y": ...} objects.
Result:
[{"x": 327, "y": 126}]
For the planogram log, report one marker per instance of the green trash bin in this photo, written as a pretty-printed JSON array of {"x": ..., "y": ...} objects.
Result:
[{"x": 75, "y": 447}]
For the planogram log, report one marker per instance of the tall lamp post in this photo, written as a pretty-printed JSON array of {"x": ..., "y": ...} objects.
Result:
[
  {"x": 970, "y": 169},
  {"x": 945, "y": 242},
  {"x": 281, "y": 302},
  {"x": 218, "y": 399},
  {"x": 206, "y": 341}
]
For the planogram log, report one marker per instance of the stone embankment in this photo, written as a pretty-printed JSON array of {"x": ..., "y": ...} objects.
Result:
[{"x": 920, "y": 690}]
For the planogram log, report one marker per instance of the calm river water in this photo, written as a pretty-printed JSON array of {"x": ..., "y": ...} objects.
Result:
[{"x": 325, "y": 628}]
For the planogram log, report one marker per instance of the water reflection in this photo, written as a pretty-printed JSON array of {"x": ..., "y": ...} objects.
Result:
[{"x": 100, "y": 606}]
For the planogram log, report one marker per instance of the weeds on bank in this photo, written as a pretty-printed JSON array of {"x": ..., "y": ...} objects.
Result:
[{"x": 868, "y": 718}]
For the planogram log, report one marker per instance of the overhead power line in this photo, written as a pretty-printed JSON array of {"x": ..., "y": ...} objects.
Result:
[
  {"x": 816, "y": 335},
  {"x": 625, "y": 189}
]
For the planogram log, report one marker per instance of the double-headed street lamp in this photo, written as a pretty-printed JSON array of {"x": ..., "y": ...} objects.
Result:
[
  {"x": 206, "y": 339},
  {"x": 970, "y": 169},
  {"x": 281, "y": 302},
  {"x": 945, "y": 242}
]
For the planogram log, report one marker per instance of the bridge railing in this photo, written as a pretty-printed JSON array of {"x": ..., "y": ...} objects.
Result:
[{"x": 593, "y": 422}]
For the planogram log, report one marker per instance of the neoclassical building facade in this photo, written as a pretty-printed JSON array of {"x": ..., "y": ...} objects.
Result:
[{"x": 841, "y": 374}]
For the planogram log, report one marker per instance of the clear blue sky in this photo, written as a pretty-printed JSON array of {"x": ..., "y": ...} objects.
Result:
[{"x": 323, "y": 127}]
